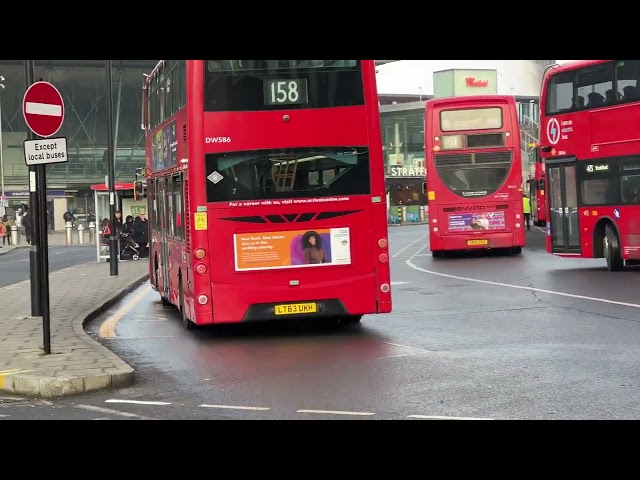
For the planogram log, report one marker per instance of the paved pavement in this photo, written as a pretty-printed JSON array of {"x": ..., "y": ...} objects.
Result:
[{"x": 77, "y": 364}]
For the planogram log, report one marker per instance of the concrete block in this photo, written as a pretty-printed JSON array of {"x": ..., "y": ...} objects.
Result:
[
  {"x": 26, "y": 385},
  {"x": 57, "y": 387},
  {"x": 97, "y": 382}
]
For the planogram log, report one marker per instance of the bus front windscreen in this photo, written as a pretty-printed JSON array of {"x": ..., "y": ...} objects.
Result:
[{"x": 307, "y": 172}]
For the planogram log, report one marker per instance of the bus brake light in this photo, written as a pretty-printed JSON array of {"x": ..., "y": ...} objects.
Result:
[
  {"x": 200, "y": 253},
  {"x": 382, "y": 243},
  {"x": 201, "y": 268},
  {"x": 383, "y": 258},
  {"x": 384, "y": 288}
]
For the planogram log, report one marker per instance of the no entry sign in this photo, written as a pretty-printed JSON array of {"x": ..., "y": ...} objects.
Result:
[{"x": 43, "y": 109}]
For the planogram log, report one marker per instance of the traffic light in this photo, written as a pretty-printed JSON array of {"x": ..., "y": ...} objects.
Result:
[
  {"x": 139, "y": 185},
  {"x": 138, "y": 190}
]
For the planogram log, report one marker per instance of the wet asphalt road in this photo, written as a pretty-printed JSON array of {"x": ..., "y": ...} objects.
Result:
[
  {"x": 469, "y": 337},
  {"x": 14, "y": 266}
]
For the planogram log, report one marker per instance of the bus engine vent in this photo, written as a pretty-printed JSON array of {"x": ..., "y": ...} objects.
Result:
[
  {"x": 290, "y": 217},
  {"x": 454, "y": 159},
  {"x": 493, "y": 157}
]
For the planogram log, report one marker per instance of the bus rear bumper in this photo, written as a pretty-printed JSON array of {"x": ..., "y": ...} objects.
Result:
[
  {"x": 235, "y": 303},
  {"x": 477, "y": 242}
]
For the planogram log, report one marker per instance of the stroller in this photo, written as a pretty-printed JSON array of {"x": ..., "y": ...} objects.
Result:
[{"x": 129, "y": 249}]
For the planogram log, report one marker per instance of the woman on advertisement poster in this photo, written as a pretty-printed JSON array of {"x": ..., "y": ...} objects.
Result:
[{"x": 312, "y": 250}]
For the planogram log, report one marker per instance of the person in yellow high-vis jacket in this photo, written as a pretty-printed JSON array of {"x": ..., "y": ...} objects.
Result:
[{"x": 526, "y": 208}]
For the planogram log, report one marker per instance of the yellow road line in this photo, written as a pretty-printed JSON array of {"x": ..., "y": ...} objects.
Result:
[
  {"x": 108, "y": 327},
  {"x": 7, "y": 373}
]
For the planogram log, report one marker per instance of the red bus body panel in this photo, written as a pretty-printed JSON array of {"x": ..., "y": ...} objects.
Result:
[
  {"x": 235, "y": 296},
  {"x": 593, "y": 134},
  {"x": 506, "y": 201},
  {"x": 537, "y": 192}
]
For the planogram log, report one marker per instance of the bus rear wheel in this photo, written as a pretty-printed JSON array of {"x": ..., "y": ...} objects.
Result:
[
  {"x": 611, "y": 247},
  {"x": 516, "y": 250},
  {"x": 186, "y": 323}
]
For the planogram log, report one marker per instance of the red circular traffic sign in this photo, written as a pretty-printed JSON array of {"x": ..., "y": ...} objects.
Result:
[{"x": 43, "y": 109}]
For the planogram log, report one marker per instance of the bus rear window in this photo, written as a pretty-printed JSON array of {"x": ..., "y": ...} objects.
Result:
[
  {"x": 470, "y": 119},
  {"x": 287, "y": 173},
  {"x": 256, "y": 85}
]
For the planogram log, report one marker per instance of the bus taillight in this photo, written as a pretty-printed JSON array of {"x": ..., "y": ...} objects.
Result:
[
  {"x": 383, "y": 258},
  {"x": 203, "y": 299},
  {"x": 200, "y": 254},
  {"x": 382, "y": 243},
  {"x": 384, "y": 288},
  {"x": 201, "y": 268}
]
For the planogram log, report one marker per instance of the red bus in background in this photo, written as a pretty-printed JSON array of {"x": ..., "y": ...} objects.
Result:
[
  {"x": 590, "y": 144},
  {"x": 537, "y": 190},
  {"x": 474, "y": 174},
  {"x": 266, "y": 189}
]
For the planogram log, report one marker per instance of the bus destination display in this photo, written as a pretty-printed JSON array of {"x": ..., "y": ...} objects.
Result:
[{"x": 286, "y": 92}]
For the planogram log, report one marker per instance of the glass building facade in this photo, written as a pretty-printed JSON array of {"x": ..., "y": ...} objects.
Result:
[{"x": 83, "y": 86}]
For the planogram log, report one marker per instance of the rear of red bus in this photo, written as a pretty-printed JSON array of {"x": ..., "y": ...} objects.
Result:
[
  {"x": 537, "y": 190},
  {"x": 474, "y": 174},
  {"x": 590, "y": 142},
  {"x": 287, "y": 191}
]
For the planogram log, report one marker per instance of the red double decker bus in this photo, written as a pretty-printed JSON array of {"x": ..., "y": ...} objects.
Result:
[
  {"x": 266, "y": 189},
  {"x": 474, "y": 174},
  {"x": 537, "y": 189},
  {"x": 590, "y": 143}
]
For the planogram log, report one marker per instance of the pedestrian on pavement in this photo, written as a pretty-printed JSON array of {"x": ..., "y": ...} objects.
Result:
[
  {"x": 141, "y": 234},
  {"x": 5, "y": 230},
  {"x": 526, "y": 208},
  {"x": 27, "y": 223}
]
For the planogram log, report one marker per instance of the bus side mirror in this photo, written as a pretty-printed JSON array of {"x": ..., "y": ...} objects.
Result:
[{"x": 424, "y": 187}]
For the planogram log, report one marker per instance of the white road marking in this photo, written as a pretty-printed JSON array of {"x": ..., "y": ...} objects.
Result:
[
  {"x": 522, "y": 287},
  {"x": 403, "y": 249},
  {"x": 139, "y": 338},
  {"x": 110, "y": 411},
  {"x": 4, "y": 416},
  {"x": 136, "y": 402},
  {"x": 234, "y": 407},
  {"x": 393, "y": 284},
  {"x": 406, "y": 346},
  {"x": 336, "y": 412},
  {"x": 43, "y": 109},
  {"x": 440, "y": 417},
  {"x": 541, "y": 229}
]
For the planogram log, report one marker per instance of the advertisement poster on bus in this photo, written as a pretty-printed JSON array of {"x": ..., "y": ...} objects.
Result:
[
  {"x": 164, "y": 147},
  {"x": 468, "y": 222},
  {"x": 292, "y": 249}
]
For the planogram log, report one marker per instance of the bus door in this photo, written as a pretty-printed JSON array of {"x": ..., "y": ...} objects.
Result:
[
  {"x": 563, "y": 206},
  {"x": 163, "y": 215}
]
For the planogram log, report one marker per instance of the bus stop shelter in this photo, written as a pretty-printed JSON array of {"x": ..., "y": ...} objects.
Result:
[{"x": 103, "y": 213}]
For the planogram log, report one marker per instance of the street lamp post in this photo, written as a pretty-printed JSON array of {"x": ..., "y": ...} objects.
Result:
[{"x": 3, "y": 200}]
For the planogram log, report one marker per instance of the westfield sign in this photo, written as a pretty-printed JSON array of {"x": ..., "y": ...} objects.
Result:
[{"x": 473, "y": 82}]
